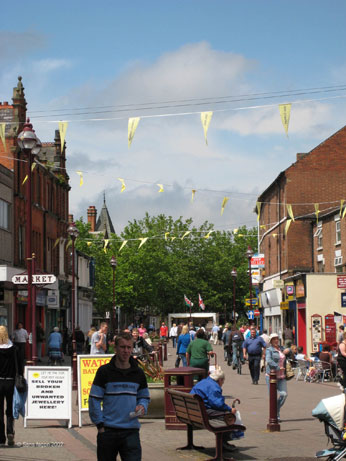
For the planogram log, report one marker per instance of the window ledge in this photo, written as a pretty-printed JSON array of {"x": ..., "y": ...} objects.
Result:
[
  {"x": 337, "y": 243},
  {"x": 319, "y": 248}
]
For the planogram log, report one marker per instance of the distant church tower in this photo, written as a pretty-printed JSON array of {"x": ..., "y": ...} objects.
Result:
[{"x": 104, "y": 223}]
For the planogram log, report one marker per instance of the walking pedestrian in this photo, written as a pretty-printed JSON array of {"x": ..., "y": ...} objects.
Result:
[
  {"x": 7, "y": 375},
  {"x": 183, "y": 343},
  {"x": 119, "y": 390},
  {"x": 253, "y": 349},
  {"x": 276, "y": 360},
  {"x": 163, "y": 331},
  {"x": 235, "y": 342},
  {"x": 173, "y": 333},
  {"x": 198, "y": 351},
  {"x": 215, "y": 334},
  {"x": 99, "y": 340},
  {"x": 288, "y": 336},
  {"x": 79, "y": 335},
  {"x": 20, "y": 337},
  {"x": 88, "y": 339}
]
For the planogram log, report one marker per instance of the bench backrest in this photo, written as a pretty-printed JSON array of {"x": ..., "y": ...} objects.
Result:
[{"x": 189, "y": 408}]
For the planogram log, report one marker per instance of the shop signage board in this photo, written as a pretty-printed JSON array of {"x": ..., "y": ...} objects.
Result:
[
  {"x": 316, "y": 331},
  {"x": 37, "y": 279},
  {"x": 251, "y": 302},
  {"x": 330, "y": 328},
  {"x": 87, "y": 366},
  {"x": 278, "y": 283},
  {"x": 284, "y": 305},
  {"x": 49, "y": 394},
  {"x": 341, "y": 281},
  {"x": 257, "y": 260}
]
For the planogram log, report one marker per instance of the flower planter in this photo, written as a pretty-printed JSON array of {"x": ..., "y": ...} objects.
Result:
[{"x": 156, "y": 407}]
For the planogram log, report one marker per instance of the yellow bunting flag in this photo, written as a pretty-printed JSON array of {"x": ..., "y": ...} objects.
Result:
[
  {"x": 258, "y": 205},
  {"x": 193, "y": 194},
  {"x": 122, "y": 245},
  {"x": 62, "y": 131},
  {"x": 186, "y": 233},
  {"x": 262, "y": 226},
  {"x": 56, "y": 242},
  {"x": 69, "y": 243},
  {"x": 285, "y": 112},
  {"x": 24, "y": 180},
  {"x": 81, "y": 182},
  {"x": 208, "y": 234},
  {"x": 33, "y": 166},
  {"x": 317, "y": 211},
  {"x": 341, "y": 206},
  {"x": 123, "y": 187},
  {"x": 89, "y": 244},
  {"x": 143, "y": 240},
  {"x": 235, "y": 231},
  {"x": 105, "y": 245},
  {"x": 161, "y": 187},
  {"x": 275, "y": 235},
  {"x": 224, "y": 201},
  {"x": 166, "y": 235},
  {"x": 2, "y": 134},
  {"x": 131, "y": 129},
  {"x": 290, "y": 212},
  {"x": 344, "y": 212},
  {"x": 288, "y": 223},
  {"x": 173, "y": 238},
  {"x": 205, "y": 119}
]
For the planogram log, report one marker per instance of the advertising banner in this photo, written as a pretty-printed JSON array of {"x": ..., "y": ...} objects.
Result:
[
  {"x": 49, "y": 393},
  {"x": 87, "y": 368}
]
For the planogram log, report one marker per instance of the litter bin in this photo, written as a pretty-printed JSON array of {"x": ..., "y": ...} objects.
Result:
[{"x": 180, "y": 379}]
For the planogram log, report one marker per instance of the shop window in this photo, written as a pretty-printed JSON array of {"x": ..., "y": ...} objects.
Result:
[{"x": 318, "y": 234}]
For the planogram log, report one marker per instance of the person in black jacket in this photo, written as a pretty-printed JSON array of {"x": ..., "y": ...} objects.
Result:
[
  {"x": 7, "y": 374},
  {"x": 79, "y": 340},
  {"x": 140, "y": 346}
]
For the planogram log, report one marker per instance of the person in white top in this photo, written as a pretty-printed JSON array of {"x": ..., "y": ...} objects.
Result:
[
  {"x": 99, "y": 340},
  {"x": 173, "y": 333}
]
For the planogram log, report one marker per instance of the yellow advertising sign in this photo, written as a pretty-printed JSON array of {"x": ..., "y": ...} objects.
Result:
[
  {"x": 87, "y": 368},
  {"x": 284, "y": 305}
]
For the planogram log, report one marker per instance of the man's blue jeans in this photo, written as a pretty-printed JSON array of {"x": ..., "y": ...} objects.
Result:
[
  {"x": 183, "y": 359},
  {"x": 281, "y": 386},
  {"x": 174, "y": 340},
  {"x": 123, "y": 441}
]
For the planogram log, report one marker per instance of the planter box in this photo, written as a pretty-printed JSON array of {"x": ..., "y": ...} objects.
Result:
[{"x": 156, "y": 407}]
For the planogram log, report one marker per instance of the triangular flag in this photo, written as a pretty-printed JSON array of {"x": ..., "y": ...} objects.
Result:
[
  {"x": 205, "y": 119},
  {"x": 341, "y": 205},
  {"x": 105, "y": 245},
  {"x": 69, "y": 243},
  {"x": 193, "y": 194},
  {"x": 161, "y": 187},
  {"x": 56, "y": 242},
  {"x": 186, "y": 233},
  {"x": 33, "y": 166},
  {"x": 122, "y": 245},
  {"x": 173, "y": 238},
  {"x": 166, "y": 235},
  {"x": 343, "y": 214},
  {"x": 288, "y": 223},
  {"x": 2, "y": 134},
  {"x": 258, "y": 205},
  {"x": 131, "y": 128},
  {"x": 317, "y": 211},
  {"x": 235, "y": 231},
  {"x": 262, "y": 226},
  {"x": 200, "y": 302},
  {"x": 143, "y": 240},
  {"x": 208, "y": 234},
  {"x": 285, "y": 112},
  {"x": 224, "y": 201},
  {"x": 275, "y": 235},
  {"x": 62, "y": 131},
  {"x": 81, "y": 182},
  {"x": 25, "y": 179},
  {"x": 290, "y": 212},
  {"x": 123, "y": 187},
  {"x": 89, "y": 244}
]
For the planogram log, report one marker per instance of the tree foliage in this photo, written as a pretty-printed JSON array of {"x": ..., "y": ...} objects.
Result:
[{"x": 155, "y": 277}]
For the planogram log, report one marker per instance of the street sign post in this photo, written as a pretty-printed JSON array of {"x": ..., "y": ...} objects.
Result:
[
  {"x": 37, "y": 279},
  {"x": 250, "y": 315},
  {"x": 251, "y": 302},
  {"x": 256, "y": 313}
]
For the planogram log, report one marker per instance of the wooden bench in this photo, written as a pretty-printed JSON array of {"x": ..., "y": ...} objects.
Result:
[{"x": 190, "y": 409}]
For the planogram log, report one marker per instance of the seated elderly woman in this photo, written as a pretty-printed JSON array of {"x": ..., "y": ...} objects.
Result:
[{"x": 210, "y": 389}]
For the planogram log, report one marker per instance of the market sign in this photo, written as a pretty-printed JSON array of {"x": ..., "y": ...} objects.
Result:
[
  {"x": 341, "y": 281},
  {"x": 37, "y": 279}
]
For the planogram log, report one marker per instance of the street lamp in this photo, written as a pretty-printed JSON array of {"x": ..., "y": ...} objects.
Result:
[
  {"x": 234, "y": 277},
  {"x": 249, "y": 254},
  {"x": 73, "y": 233},
  {"x": 113, "y": 263},
  {"x": 30, "y": 145}
]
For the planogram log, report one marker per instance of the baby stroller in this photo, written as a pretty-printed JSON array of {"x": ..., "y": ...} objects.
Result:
[
  {"x": 55, "y": 356},
  {"x": 331, "y": 411}
]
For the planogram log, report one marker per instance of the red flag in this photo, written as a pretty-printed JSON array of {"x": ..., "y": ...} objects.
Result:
[
  {"x": 187, "y": 301},
  {"x": 200, "y": 302}
]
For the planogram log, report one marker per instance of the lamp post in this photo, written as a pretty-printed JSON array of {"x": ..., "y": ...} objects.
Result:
[
  {"x": 234, "y": 277},
  {"x": 249, "y": 254},
  {"x": 113, "y": 263},
  {"x": 30, "y": 145},
  {"x": 73, "y": 233}
]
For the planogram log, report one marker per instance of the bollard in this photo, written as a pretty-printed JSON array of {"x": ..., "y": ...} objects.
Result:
[
  {"x": 165, "y": 350},
  {"x": 273, "y": 425},
  {"x": 160, "y": 355}
]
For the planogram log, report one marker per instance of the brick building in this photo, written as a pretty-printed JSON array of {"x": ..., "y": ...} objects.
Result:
[
  {"x": 50, "y": 191},
  {"x": 314, "y": 186}
]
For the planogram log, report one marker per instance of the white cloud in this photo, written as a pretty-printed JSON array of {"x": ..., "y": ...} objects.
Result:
[{"x": 50, "y": 65}]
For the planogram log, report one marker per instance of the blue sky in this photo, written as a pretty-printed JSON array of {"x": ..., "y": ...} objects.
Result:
[{"x": 85, "y": 54}]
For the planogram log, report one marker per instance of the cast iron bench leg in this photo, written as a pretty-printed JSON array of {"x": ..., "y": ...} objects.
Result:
[
  {"x": 190, "y": 445},
  {"x": 218, "y": 452}
]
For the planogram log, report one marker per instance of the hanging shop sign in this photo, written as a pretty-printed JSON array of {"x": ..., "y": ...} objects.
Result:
[
  {"x": 300, "y": 289},
  {"x": 87, "y": 366},
  {"x": 330, "y": 329},
  {"x": 341, "y": 281},
  {"x": 37, "y": 279},
  {"x": 49, "y": 394}
]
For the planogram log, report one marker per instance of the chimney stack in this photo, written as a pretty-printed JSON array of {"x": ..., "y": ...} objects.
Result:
[
  {"x": 70, "y": 218},
  {"x": 92, "y": 217}
]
